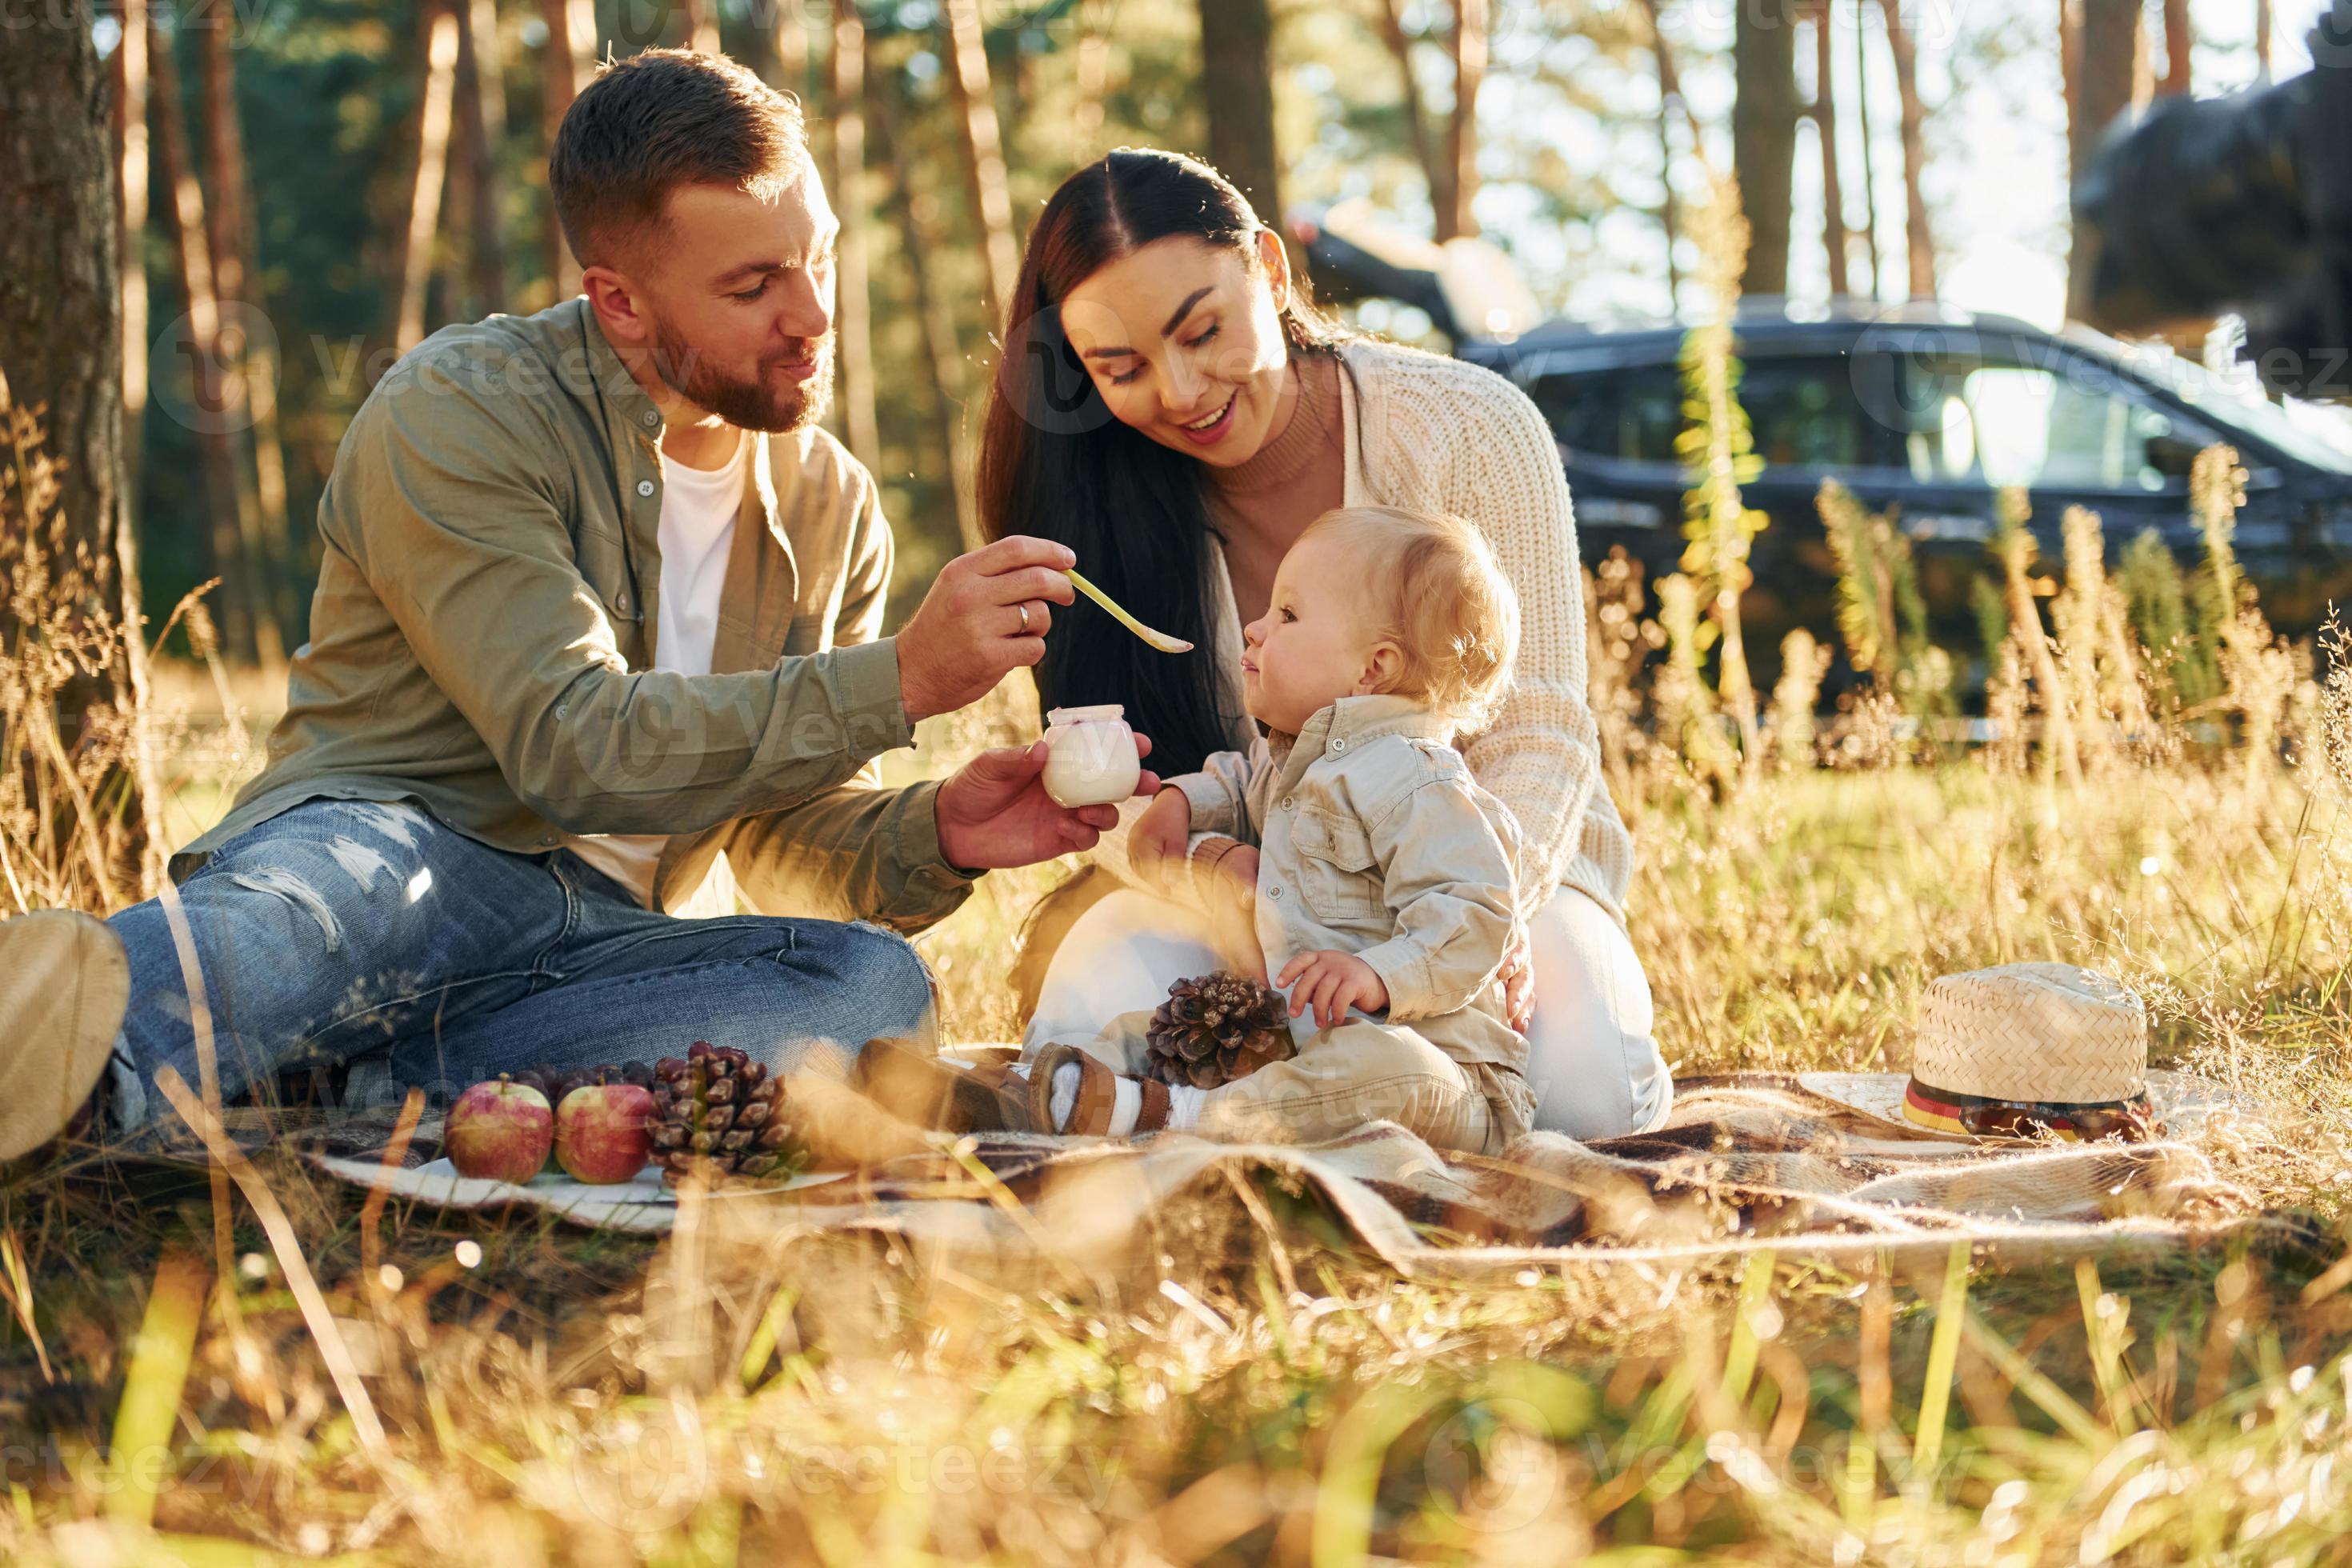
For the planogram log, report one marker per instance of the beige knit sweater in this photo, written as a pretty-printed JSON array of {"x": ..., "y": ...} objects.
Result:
[{"x": 1433, "y": 433}]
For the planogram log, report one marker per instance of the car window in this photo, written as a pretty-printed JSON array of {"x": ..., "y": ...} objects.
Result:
[
  {"x": 2325, "y": 442},
  {"x": 1803, "y": 412},
  {"x": 1630, "y": 414},
  {"x": 1994, "y": 424}
]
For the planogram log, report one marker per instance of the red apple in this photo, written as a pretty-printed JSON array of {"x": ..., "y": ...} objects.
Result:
[
  {"x": 600, "y": 1132},
  {"x": 499, "y": 1131}
]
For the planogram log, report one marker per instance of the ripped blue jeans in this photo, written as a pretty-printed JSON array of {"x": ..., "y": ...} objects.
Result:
[{"x": 352, "y": 931}]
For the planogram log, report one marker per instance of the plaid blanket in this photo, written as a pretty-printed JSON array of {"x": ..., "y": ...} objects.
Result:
[{"x": 1746, "y": 1160}]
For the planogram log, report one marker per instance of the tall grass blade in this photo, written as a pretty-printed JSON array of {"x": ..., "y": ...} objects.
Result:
[
  {"x": 150, "y": 1410},
  {"x": 1943, "y": 1357}
]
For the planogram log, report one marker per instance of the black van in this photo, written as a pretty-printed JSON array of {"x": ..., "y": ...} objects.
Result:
[{"x": 1926, "y": 411}]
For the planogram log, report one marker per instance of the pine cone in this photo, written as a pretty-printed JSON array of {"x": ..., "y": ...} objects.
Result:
[
  {"x": 1216, "y": 1029},
  {"x": 715, "y": 1105}
]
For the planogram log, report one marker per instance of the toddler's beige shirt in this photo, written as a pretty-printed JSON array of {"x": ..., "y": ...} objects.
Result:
[{"x": 1373, "y": 839}]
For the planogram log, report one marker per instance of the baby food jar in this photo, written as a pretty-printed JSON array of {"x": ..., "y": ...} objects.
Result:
[{"x": 1090, "y": 756}]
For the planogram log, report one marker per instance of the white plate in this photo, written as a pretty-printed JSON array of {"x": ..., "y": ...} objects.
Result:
[{"x": 559, "y": 1191}]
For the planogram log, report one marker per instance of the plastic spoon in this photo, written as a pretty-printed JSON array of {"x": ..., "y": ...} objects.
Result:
[{"x": 1159, "y": 641}]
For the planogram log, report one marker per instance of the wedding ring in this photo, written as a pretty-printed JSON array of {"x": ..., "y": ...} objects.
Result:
[{"x": 1023, "y": 608}]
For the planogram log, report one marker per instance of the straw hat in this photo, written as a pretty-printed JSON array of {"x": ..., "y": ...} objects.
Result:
[{"x": 2026, "y": 1049}]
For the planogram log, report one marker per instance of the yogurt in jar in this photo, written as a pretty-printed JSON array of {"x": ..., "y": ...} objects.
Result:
[{"x": 1090, "y": 756}]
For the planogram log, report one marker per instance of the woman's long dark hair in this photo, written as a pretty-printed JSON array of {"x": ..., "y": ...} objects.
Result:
[{"x": 1056, "y": 463}]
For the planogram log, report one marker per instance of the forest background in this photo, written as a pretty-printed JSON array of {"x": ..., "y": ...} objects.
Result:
[{"x": 315, "y": 184}]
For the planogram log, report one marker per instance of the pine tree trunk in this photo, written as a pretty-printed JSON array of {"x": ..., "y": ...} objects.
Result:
[
  {"x": 1093, "y": 80},
  {"x": 853, "y": 327},
  {"x": 1469, "y": 49},
  {"x": 563, "y": 66},
  {"x": 233, "y": 240},
  {"x": 1833, "y": 236},
  {"x": 432, "y": 173},
  {"x": 61, "y": 348},
  {"x": 1869, "y": 162},
  {"x": 1918, "y": 241},
  {"x": 789, "y": 39},
  {"x": 482, "y": 99},
  {"x": 1670, "y": 98},
  {"x": 2113, "y": 80},
  {"x": 216, "y": 390},
  {"x": 228, "y": 212},
  {"x": 1416, "y": 117},
  {"x": 1764, "y": 136},
  {"x": 2179, "y": 40},
  {"x": 919, "y": 241},
  {"x": 983, "y": 154},
  {"x": 2070, "y": 78},
  {"x": 452, "y": 280},
  {"x": 130, "y": 106},
  {"x": 1666, "y": 217},
  {"x": 1237, "y": 95}
]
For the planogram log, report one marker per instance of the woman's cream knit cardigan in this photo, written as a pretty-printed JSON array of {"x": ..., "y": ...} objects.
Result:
[{"x": 1433, "y": 433}]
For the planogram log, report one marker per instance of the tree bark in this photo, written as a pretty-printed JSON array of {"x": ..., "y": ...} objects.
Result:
[
  {"x": 702, "y": 26},
  {"x": 130, "y": 106},
  {"x": 62, "y": 349},
  {"x": 228, "y": 215},
  {"x": 853, "y": 324},
  {"x": 1869, "y": 163},
  {"x": 482, "y": 97},
  {"x": 2179, "y": 40},
  {"x": 1764, "y": 136},
  {"x": 563, "y": 66},
  {"x": 1834, "y": 235},
  {"x": 2112, "y": 80},
  {"x": 789, "y": 39},
  {"x": 2070, "y": 78},
  {"x": 432, "y": 172},
  {"x": 983, "y": 154},
  {"x": 216, "y": 385},
  {"x": 1670, "y": 98},
  {"x": 1918, "y": 242},
  {"x": 916, "y": 215},
  {"x": 1094, "y": 80},
  {"x": 1416, "y": 117},
  {"x": 1667, "y": 91},
  {"x": 1237, "y": 94},
  {"x": 1469, "y": 51},
  {"x": 235, "y": 245}
]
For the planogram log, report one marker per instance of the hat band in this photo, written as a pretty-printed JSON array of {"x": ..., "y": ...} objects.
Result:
[{"x": 1980, "y": 1116}]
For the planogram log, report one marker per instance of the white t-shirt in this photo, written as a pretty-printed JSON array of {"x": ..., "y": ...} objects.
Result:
[{"x": 697, "y": 533}]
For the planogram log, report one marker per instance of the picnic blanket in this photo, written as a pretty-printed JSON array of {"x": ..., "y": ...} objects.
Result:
[{"x": 1744, "y": 1161}]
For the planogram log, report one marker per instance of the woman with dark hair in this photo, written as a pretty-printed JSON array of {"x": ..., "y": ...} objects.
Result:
[{"x": 1172, "y": 407}]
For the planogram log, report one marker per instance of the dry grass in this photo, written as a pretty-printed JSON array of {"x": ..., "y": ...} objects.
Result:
[
  {"x": 741, "y": 1394},
  {"x": 502, "y": 1389}
]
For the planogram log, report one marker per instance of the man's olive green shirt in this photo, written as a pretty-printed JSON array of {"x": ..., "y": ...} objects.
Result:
[{"x": 482, "y": 639}]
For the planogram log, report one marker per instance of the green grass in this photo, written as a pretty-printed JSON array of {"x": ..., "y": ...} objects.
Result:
[{"x": 1254, "y": 1390}]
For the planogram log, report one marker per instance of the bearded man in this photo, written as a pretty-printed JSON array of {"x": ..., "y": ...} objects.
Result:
[{"x": 596, "y": 647}]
